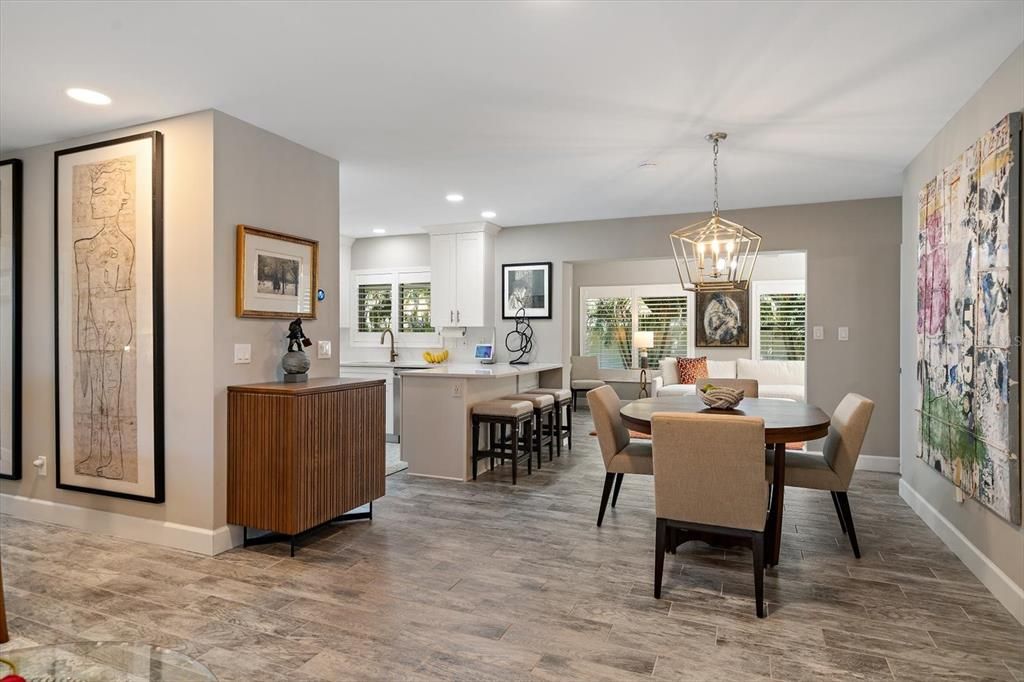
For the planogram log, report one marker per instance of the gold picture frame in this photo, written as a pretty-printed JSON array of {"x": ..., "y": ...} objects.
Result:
[{"x": 276, "y": 274}]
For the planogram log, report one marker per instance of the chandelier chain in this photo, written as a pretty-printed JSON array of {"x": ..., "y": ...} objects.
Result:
[{"x": 715, "y": 164}]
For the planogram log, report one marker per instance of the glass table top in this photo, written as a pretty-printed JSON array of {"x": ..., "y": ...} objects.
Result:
[{"x": 106, "y": 661}]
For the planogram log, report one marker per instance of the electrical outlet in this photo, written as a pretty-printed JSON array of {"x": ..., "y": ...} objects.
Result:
[
  {"x": 323, "y": 350},
  {"x": 844, "y": 333},
  {"x": 457, "y": 389},
  {"x": 243, "y": 353},
  {"x": 819, "y": 333},
  {"x": 40, "y": 464}
]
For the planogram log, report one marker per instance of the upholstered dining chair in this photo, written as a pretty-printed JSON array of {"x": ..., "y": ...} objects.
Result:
[
  {"x": 621, "y": 455},
  {"x": 748, "y": 386},
  {"x": 709, "y": 481},
  {"x": 832, "y": 468},
  {"x": 583, "y": 376}
]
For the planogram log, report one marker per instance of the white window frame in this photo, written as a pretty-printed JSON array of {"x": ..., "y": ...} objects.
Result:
[
  {"x": 773, "y": 286},
  {"x": 633, "y": 293},
  {"x": 395, "y": 277}
]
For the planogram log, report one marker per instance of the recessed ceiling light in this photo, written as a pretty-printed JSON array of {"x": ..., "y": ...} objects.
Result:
[
  {"x": 88, "y": 96},
  {"x": 488, "y": 214},
  {"x": 379, "y": 230},
  {"x": 454, "y": 198}
]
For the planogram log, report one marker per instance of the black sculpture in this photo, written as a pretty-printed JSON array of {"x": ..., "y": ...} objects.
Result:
[
  {"x": 296, "y": 337},
  {"x": 524, "y": 338}
]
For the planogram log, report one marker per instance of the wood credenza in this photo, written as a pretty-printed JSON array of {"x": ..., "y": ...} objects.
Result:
[{"x": 301, "y": 455}]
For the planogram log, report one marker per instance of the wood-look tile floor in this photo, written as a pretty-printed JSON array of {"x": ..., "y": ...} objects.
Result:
[{"x": 486, "y": 581}]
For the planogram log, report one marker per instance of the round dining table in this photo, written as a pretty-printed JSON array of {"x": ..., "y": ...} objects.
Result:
[{"x": 785, "y": 421}]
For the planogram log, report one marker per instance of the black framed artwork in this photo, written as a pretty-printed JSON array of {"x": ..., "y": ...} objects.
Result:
[
  {"x": 10, "y": 318},
  {"x": 108, "y": 271},
  {"x": 723, "y": 319},
  {"x": 526, "y": 287}
]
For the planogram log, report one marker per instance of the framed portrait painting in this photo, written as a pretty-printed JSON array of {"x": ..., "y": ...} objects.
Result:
[
  {"x": 10, "y": 319},
  {"x": 108, "y": 269},
  {"x": 276, "y": 274},
  {"x": 527, "y": 287},
  {"x": 723, "y": 319}
]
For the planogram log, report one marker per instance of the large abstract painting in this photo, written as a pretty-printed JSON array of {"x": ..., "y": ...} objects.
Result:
[
  {"x": 108, "y": 204},
  {"x": 723, "y": 319},
  {"x": 967, "y": 320}
]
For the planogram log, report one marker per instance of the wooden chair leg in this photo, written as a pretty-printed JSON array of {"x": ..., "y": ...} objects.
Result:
[
  {"x": 757, "y": 543},
  {"x": 551, "y": 436},
  {"x": 569, "y": 418},
  {"x": 844, "y": 505},
  {"x": 618, "y": 484},
  {"x": 476, "y": 446},
  {"x": 609, "y": 478},
  {"x": 839, "y": 512},
  {"x": 659, "y": 555},
  {"x": 535, "y": 441},
  {"x": 515, "y": 452},
  {"x": 558, "y": 429}
]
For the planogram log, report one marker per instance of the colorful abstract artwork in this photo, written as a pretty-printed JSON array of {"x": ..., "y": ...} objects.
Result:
[{"x": 967, "y": 320}]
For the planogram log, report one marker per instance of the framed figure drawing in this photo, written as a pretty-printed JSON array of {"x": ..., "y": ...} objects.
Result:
[
  {"x": 10, "y": 319},
  {"x": 276, "y": 274},
  {"x": 526, "y": 286},
  {"x": 723, "y": 319},
  {"x": 108, "y": 265}
]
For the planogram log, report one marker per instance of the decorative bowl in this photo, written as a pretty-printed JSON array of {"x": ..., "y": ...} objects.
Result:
[{"x": 720, "y": 397}]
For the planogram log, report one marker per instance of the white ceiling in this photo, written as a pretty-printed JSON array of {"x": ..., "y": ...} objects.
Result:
[{"x": 541, "y": 111}]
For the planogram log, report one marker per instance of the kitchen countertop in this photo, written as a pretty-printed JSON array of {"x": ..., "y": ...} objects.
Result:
[
  {"x": 471, "y": 370},
  {"x": 384, "y": 364}
]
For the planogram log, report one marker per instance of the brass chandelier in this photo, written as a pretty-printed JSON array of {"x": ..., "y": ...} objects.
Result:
[{"x": 715, "y": 254}]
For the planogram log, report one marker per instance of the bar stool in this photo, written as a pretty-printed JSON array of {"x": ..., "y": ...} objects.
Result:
[
  {"x": 563, "y": 422},
  {"x": 503, "y": 413},
  {"x": 543, "y": 407}
]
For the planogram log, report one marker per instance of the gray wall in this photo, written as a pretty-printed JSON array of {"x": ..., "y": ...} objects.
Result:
[
  {"x": 188, "y": 319},
  {"x": 264, "y": 180},
  {"x": 1001, "y": 542},
  {"x": 852, "y": 274},
  {"x": 852, "y": 280},
  {"x": 218, "y": 171}
]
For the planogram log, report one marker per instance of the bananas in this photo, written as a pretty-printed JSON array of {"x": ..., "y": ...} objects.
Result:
[{"x": 435, "y": 357}]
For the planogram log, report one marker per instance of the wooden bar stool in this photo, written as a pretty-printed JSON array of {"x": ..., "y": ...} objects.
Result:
[
  {"x": 543, "y": 414},
  {"x": 563, "y": 414},
  {"x": 503, "y": 414}
]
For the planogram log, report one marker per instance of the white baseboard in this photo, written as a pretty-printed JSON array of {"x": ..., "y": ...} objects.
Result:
[
  {"x": 889, "y": 465},
  {"x": 165, "y": 533},
  {"x": 991, "y": 576}
]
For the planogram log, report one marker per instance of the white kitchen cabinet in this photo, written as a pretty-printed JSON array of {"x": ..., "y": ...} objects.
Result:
[{"x": 462, "y": 279}]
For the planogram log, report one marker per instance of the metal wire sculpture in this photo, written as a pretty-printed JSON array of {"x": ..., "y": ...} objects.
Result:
[{"x": 523, "y": 342}]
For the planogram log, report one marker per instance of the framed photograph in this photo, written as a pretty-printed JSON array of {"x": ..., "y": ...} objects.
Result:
[
  {"x": 108, "y": 272},
  {"x": 723, "y": 319},
  {"x": 276, "y": 275},
  {"x": 526, "y": 286},
  {"x": 10, "y": 319}
]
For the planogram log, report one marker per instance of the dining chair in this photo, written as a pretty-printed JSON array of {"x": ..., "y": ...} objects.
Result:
[
  {"x": 709, "y": 481},
  {"x": 832, "y": 468},
  {"x": 621, "y": 455},
  {"x": 583, "y": 376},
  {"x": 748, "y": 386}
]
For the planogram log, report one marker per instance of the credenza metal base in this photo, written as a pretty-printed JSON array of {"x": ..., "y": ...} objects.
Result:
[{"x": 271, "y": 537}]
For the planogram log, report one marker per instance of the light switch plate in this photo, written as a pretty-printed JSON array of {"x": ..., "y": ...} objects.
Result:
[
  {"x": 819, "y": 332},
  {"x": 243, "y": 353},
  {"x": 844, "y": 333},
  {"x": 323, "y": 349}
]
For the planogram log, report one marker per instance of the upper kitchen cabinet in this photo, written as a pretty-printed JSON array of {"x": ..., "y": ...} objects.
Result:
[{"x": 462, "y": 275}]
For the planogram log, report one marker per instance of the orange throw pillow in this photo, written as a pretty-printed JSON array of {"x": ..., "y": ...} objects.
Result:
[{"x": 692, "y": 369}]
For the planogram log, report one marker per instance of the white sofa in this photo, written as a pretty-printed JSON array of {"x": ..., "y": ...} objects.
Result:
[{"x": 775, "y": 378}]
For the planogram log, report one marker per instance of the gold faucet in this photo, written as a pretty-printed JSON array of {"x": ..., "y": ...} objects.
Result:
[{"x": 394, "y": 353}]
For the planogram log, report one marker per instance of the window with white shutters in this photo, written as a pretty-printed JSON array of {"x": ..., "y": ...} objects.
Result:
[
  {"x": 398, "y": 300},
  {"x": 781, "y": 325},
  {"x": 610, "y": 316}
]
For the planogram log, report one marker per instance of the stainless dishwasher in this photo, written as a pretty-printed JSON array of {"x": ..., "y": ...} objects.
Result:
[{"x": 395, "y": 436}]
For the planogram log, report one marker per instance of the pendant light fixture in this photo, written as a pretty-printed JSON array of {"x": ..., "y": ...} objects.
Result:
[{"x": 715, "y": 254}]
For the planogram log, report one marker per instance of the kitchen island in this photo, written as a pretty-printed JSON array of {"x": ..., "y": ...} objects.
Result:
[{"x": 437, "y": 405}]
